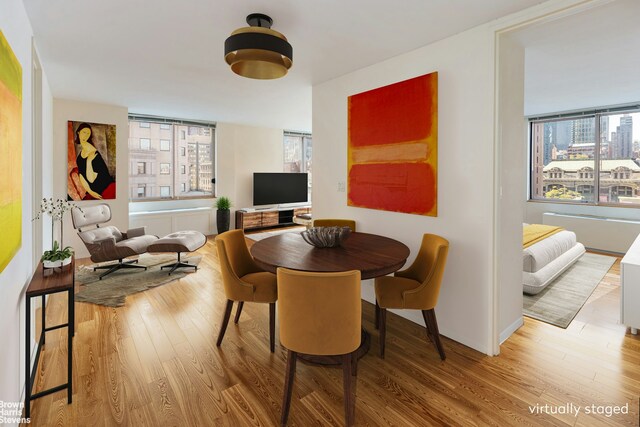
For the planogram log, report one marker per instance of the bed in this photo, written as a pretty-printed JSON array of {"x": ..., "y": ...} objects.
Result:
[{"x": 546, "y": 259}]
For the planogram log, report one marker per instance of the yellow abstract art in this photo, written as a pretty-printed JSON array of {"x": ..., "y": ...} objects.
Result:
[{"x": 10, "y": 153}]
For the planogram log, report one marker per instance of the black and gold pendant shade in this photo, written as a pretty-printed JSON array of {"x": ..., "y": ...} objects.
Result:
[{"x": 257, "y": 51}]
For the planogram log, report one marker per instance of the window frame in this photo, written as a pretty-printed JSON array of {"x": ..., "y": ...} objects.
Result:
[
  {"x": 176, "y": 143},
  {"x": 596, "y": 114},
  {"x": 169, "y": 145}
]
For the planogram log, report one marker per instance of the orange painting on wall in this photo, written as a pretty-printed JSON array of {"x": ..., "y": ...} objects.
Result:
[{"x": 393, "y": 147}]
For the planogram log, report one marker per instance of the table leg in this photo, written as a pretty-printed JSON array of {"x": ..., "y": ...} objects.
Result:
[
  {"x": 27, "y": 355},
  {"x": 70, "y": 328},
  {"x": 44, "y": 316}
]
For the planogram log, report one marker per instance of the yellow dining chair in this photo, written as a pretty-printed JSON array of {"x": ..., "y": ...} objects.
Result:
[
  {"x": 416, "y": 288},
  {"x": 330, "y": 222},
  {"x": 244, "y": 281},
  {"x": 320, "y": 314}
]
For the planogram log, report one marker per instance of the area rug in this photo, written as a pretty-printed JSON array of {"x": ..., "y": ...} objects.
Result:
[
  {"x": 264, "y": 234},
  {"x": 113, "y": 289},
  {"x": 559, "y": 302}
]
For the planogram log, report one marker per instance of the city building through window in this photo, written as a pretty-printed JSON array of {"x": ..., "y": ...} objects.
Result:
[
  {"x": 589, "y": 157},
  {"x": 170, "y": 159},
  {"x": 298, "y": 150}
]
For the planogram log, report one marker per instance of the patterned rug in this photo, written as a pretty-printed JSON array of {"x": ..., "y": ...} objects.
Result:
[
  {"x": 561, "y": 300},
  {"x": 113, "y": 289}
]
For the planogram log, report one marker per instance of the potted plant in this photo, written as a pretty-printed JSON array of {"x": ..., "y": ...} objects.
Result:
[
  {"x": 56, "y": 209},
  {"x": 57, "y": 257},
  {"x": 223, "y": 214}
]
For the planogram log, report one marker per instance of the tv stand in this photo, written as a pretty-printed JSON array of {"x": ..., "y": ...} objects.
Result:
[{"x": 264, "y": 218}]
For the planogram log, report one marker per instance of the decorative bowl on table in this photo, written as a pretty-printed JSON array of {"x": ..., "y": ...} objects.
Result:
[{"x": 326, "y": 237}]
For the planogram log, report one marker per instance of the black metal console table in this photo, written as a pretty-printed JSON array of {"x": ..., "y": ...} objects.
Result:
[{"x": 46, "y": 282}]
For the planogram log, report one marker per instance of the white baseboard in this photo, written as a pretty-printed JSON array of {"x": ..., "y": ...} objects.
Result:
[{"x": 504, "y": 335}]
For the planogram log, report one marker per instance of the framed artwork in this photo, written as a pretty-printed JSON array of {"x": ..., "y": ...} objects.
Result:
[
  {"x": 10, "y": 153},
  {"x": 91, "y": 161},
  {"x": 393, "y": 147}
]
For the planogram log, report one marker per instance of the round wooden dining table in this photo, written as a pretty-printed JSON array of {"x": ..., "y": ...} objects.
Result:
[{"x": 371, "y": 254}]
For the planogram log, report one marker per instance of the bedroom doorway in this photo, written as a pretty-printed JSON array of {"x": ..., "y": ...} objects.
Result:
[{"x": 521, "y": 53}]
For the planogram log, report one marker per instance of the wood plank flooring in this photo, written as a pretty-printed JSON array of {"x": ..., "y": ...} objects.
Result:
[{"x": 154, "y": 362}]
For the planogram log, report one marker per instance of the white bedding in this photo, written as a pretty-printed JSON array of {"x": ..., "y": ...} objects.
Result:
[
  {"x": 533, "y": 283},
  {"x": 538, "y": 255}
]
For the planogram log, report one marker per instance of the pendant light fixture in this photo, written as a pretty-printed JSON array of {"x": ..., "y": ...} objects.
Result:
[{"x": 257, "y": 51}]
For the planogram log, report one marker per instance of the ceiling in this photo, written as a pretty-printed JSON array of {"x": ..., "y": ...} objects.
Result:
[
  {"x": 591, "y": 59},
  {"x": 166, "y": 57}
]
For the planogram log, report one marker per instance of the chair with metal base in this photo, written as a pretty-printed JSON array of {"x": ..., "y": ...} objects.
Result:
[
  {"x": 320, "y": 314},
  {"x": 416, "y": 288},
  {"x": 109, "y": 243},
  {"x": 178, "y": 242}
]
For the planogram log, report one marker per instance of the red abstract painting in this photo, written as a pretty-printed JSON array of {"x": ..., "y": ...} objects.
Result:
[{"x": 393, "y": 147}]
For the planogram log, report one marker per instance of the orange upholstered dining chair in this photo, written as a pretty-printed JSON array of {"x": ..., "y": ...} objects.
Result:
[
  {"x": 330, "y": 222},
  {"x": 244, "y": 281},
  {"x": 320, "y": 314},
  {"x": 416, "y": 288}
]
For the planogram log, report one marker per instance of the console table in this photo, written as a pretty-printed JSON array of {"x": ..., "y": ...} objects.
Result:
[
  {"x": 252, "y": 219},
  {"x": 47, "y": 282},
  {"x": 630, "y": 295}
]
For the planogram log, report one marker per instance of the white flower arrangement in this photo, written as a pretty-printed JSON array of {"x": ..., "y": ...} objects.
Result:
[{"x": 56, "y": 209}]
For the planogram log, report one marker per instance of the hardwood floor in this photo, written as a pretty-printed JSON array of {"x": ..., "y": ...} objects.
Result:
[{"x": 154, "y": 362}]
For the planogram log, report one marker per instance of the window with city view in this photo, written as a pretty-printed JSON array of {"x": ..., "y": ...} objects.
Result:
[
  {"x": 298, "y": 148},
  {"x": 169, "y": 159},
  {"x": 591, "y": 158}
]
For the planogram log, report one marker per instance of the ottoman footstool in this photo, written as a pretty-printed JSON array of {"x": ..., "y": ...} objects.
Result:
[{"x": 181, "y": 241}]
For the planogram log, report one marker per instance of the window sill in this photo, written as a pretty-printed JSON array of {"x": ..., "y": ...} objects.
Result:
[{"x": 170, "y": 211}]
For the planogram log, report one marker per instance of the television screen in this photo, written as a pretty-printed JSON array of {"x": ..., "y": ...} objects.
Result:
[{"x": 279, "y": 187}]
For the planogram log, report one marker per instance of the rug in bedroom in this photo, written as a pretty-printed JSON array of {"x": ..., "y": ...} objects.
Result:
[
  {"x": 113, "y": 289},
  {"x": 264, "y": 234},
  {"x": 559, "y": 302}
]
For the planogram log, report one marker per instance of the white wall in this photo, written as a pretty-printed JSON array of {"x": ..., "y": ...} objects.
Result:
[
  {"x": 15, "y": 25},
  {"x": 241, "y": 151},
  {"x": 465, "y": 64},
  {"x": 65, "y": 110},
  {"x": 510, "y": 180}
]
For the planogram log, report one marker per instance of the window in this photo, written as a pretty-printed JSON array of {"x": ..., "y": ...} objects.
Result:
[
  {"x": 145, "y": 125},
  {"x": 156, "y": 165},
  {"x": 298, "y": 149},
  {"x": 592, "y": 157}
]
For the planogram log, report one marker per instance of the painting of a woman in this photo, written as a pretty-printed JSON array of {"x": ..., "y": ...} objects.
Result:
[{"x": 89, "y": 174}]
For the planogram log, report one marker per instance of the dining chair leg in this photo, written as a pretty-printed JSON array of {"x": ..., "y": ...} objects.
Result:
[
  {"x": 288, "y": 385},
  {"x": 383, "y": 330},
  {"x": 436, "y": 333},
  {"x": 427, "y": 324},
  {"x": 225, "y": 322},
  {"x": 272, "y": 326},
  {"x": 238, "y": 311},
  {"x": 349, "y": 395},
  {"x": 377, "y": 321}
]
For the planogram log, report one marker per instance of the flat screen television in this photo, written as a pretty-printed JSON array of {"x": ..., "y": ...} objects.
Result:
[{"x": 279, "y": 187}]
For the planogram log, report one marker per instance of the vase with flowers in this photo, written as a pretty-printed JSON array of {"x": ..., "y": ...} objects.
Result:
[{"x": 56, "y": 209}]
